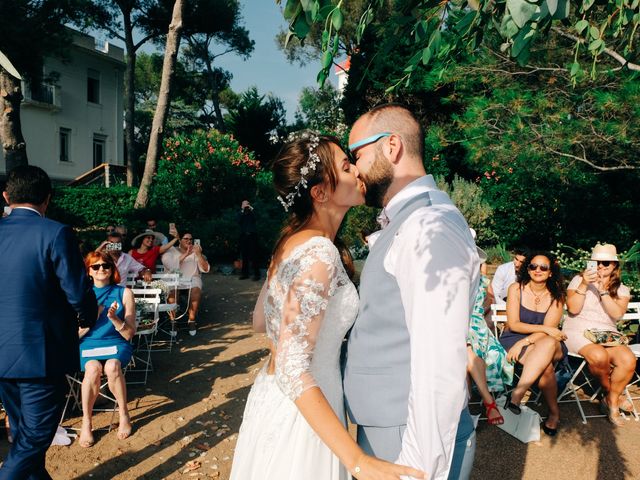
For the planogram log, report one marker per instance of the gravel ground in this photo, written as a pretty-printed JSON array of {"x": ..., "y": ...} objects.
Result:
[{"x": 187, "y": 417}]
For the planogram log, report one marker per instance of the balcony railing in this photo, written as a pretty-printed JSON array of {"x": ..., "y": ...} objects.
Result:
[{"x": 42, "y": 94}]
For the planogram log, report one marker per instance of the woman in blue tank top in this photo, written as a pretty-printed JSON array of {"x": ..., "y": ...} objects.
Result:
[
  {"x": 532, "y": 337},
  {"x": 106, "y": 347}
]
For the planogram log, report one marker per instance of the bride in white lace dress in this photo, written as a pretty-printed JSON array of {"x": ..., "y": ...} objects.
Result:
[{"x": 294, "y": 425}]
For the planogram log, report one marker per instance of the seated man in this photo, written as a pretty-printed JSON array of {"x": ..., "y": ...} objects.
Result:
[
  {"x": 125, "y": 263},
  {"x": 506, "y": 275},
  {"x": 189, "y": 260}
]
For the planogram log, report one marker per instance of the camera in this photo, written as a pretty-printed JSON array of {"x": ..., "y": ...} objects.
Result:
[{"x": 111, "y": 246}]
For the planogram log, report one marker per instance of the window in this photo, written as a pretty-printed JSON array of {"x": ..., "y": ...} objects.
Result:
[
  {"x": 99, "y": 145},
  {"x": 93, "y": 86},
  {"x": 65, "y": 143}
]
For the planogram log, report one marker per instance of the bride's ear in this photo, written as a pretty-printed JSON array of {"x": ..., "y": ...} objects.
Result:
[{"x": 319, "y": 193}]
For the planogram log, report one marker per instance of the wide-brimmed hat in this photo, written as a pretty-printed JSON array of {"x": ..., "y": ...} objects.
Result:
[
  {"x": 606, "y": 252},
  {"x": 147, "y": 233}
]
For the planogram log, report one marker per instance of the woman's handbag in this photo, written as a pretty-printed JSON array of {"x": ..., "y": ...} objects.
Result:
[
  {"x": 525, "y": 427},
  {"x": 606, "y": 338}
]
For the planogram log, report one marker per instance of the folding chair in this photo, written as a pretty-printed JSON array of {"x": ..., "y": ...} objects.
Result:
[
  {"x": 147, "y": 318},
  {"x": 499, "y": 318}
]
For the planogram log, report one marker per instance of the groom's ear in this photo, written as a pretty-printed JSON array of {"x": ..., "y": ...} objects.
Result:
[{"x": 393, "y": 148}]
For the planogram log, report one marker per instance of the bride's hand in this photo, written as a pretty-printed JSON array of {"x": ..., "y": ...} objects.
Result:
[{"x": 372, "y": 468}]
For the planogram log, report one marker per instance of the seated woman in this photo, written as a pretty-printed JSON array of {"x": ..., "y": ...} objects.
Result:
[
  {"x": 105, "y": 347},
  {"x": 596, "y": 299},
  {"x": 531, "y": 336},
  {"x": 188, "y": 258},
  {"x": 144, "y": 250}
]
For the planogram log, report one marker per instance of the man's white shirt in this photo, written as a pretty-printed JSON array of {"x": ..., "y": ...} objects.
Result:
[
  {"x": 505, "y": 275},
  {"x": 435, "y": 263}
]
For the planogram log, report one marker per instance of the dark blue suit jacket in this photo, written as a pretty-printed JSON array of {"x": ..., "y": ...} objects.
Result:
[{"x": 45, "y": 295}]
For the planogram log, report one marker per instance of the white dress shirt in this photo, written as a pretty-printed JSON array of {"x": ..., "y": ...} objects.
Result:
[
  {"x": 127, "y": 265},
  {"x": 434, "y": 260},
  {"x": 505, "y": 275}
]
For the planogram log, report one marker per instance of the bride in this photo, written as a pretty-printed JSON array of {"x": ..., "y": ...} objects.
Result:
[{"x": 294, "y": 424}]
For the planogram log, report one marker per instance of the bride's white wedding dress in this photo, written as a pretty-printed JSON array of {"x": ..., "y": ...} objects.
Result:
[{"x": 309, "y": 305}]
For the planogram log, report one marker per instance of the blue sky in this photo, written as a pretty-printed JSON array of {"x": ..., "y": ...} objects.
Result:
[{"x": 267, "y": 68}]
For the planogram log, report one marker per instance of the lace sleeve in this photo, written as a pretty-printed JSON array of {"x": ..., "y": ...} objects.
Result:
[{"x": 310, "y": 281}]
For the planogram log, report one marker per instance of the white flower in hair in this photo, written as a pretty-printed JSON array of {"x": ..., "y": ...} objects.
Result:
[{"x": 310, "y": 165}]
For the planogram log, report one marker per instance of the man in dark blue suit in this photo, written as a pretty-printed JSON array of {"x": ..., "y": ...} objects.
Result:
[{"x": 45, "y": 297}]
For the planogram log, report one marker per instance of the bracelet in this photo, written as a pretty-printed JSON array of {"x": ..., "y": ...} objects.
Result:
[
  {"x": 124, "y": 324},
  {"x": 604, "y": 294},
  {"x": 356, "y": 469}
]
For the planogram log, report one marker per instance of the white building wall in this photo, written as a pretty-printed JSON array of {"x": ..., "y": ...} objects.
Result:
[{"x": 41, "y": 123}]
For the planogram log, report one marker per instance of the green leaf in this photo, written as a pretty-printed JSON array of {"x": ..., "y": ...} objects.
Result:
[
  {"x": 426, "y": 56},
  {"x": 581, "y": 25},
  {"x": 586, "y": 5},
  {"x": 434, "y": 41},
  {"x": 552, "y": 5},
  {"x": 575, "y": 68},
  {"x": 322, "y": 77},
  {"x": 594, "y": 32},
  {"x": 465, "y": 21},
  {"x": 522, "y": 40},
  {"x": 562, "y": 11},
  {"x": 596, "y": 44},
  {"x": 326, "y": 59},
  {"x": 521, "y": 11},
  {"x": 508, "y": 27},
  {"x": 301, "y": 27},
  {"x": 337, "y": 19},
  {"x": 292, "y": 8},
  {"x": 421, "y": 31}
]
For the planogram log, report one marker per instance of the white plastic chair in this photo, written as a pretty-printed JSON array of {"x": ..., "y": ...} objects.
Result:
[{"x": 147, "y": 306}]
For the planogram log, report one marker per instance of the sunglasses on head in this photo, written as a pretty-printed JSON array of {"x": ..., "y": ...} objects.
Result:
[
  {"x": 95, "y": 267},
  {"x": 535, "y": 266}
]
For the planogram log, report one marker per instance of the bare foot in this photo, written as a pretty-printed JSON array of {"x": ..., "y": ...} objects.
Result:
[
  {"x": 86, "y": 439},
  {"x": 124, "y": 428}
]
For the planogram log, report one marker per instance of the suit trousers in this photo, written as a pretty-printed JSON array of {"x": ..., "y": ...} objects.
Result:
[
  {"x": 34, "y": 407},
  {"x": 386, "y": 443}
]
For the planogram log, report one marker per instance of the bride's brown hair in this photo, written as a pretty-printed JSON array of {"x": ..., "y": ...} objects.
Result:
[{"x": 287, "y": 168}]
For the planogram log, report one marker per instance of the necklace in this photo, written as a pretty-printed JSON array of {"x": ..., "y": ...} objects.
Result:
[{"x": 537, "y": 297}]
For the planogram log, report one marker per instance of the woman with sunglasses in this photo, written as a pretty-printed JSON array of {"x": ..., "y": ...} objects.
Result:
[
  {"x": 105, "y": 347},
  {"x": 596, "y": 299},
  {"x": 532, "y": 337}
]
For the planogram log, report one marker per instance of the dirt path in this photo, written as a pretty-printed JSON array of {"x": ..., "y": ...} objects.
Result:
[{"x": 191, "y": 409}]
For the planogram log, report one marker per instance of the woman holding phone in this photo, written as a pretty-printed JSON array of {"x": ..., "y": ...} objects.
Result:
[
  {"x": 596, "y": 299},
  {"x": 189, "y": 260}
]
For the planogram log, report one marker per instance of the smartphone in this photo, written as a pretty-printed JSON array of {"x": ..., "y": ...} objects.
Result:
[
  {"x": 172, "y": 226},
  {"x": 196, "y": 241},
  {"x": 111, "y": 246},
  {"x": 7, "y": 211},
  {"x": 592, "y": 265}
]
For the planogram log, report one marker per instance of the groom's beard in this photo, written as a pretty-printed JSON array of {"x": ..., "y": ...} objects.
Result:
[{"x": 377, "y": 180}]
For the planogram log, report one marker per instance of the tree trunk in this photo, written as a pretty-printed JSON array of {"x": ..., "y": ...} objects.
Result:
[
  {"x": 14, "y": 147},
  {"x": 162, "y": 108},
  {"x": 129, "y": 101},
  {"x": 215, "y": 97}
]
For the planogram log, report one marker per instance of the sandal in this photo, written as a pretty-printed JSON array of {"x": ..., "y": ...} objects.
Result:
[
  {"x": 499, "y": 419},
  {"x": 612, "y": 415},
  {"x": 192, "y": 328},
  {"x": 626, "y": 407},
  {"x": 512, "y": 407}
]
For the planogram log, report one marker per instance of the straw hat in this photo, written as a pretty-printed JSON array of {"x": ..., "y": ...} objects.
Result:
[
  {"x": 157, "y": 237},
  {"x": 604, "y": 252}
]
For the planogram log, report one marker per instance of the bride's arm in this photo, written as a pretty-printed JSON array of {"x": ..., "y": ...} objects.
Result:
[
  {"x": 308, "y": 296},
  {"x": 259, "y": 324}
]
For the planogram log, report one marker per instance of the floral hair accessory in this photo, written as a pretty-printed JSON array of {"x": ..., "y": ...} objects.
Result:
[{"x": 309, "y": 166}]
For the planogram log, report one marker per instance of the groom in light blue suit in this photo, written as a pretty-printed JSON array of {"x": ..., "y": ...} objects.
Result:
[{"x": 405, "y": 370}]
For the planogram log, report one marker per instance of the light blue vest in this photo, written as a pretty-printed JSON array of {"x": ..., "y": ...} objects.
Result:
[{"x": 378, "y": 362}]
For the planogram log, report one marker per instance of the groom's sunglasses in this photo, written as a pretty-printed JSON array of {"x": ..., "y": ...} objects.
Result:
[{"x": 368, "y": 141}]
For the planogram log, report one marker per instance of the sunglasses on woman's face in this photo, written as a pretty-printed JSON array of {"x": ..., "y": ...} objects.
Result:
[
  {"x": 535, "y": 266},
  {"x": 95, "y": 267},
  {"x": 604, "y": 263}
]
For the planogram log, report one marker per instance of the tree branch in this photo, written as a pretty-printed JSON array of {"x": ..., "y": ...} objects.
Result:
[
  {"x": 613, "y": 54},
  {"x": 584, "y": 159}
]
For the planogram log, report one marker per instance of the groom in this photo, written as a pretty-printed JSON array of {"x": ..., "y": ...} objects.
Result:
[{"x": 405, "y": 372}]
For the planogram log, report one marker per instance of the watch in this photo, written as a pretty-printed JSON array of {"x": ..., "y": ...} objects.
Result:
[{"x": 604, "y": 294}]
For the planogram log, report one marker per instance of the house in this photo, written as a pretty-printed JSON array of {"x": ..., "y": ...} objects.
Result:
[{"x": 77, "y": 123}]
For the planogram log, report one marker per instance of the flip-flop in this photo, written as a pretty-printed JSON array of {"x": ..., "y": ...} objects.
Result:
[{"x": 626, "y": 406}]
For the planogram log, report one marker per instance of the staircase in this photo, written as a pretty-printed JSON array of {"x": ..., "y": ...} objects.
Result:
[{"x": 106, "y": 174}]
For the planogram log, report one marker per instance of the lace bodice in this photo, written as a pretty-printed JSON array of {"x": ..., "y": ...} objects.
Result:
[{"x": 309, "y": 305}]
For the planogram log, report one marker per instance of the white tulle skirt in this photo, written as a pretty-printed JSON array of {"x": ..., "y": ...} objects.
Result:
[{"x": 276, "y": 442}]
